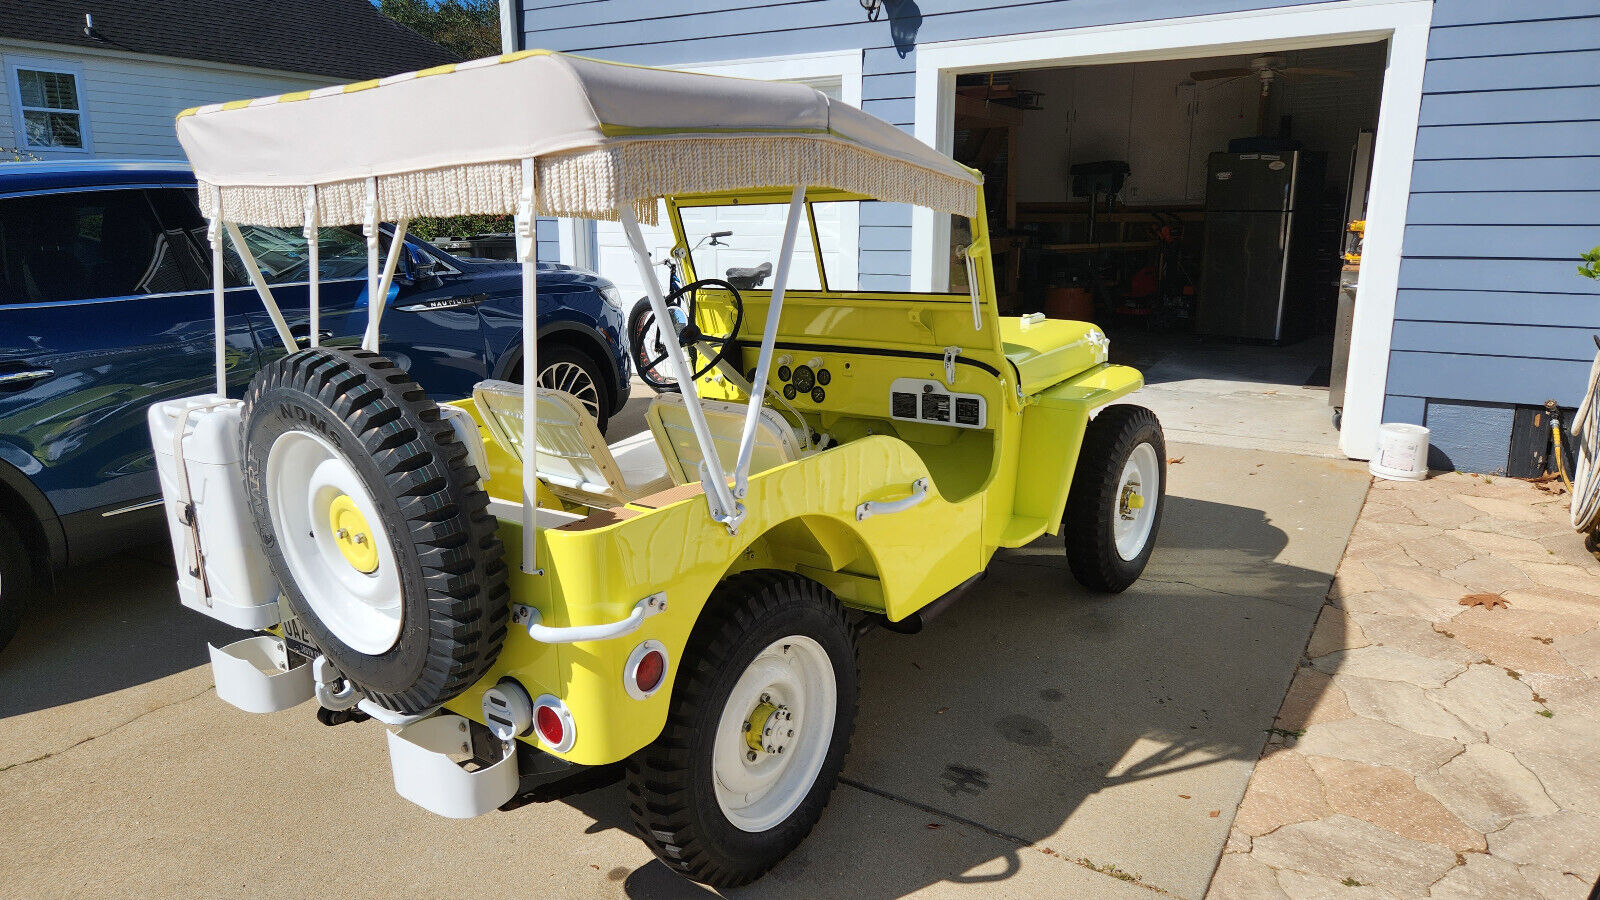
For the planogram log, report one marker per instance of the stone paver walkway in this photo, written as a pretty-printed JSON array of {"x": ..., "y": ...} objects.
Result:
[{"x": 1427, "y": 748}]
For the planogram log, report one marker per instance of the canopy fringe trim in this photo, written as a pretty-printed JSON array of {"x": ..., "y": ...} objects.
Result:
[{"x": 589, "y": 184}]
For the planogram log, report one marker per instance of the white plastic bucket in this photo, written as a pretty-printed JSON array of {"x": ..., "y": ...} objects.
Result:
[{"x": 1402, "y": 452}]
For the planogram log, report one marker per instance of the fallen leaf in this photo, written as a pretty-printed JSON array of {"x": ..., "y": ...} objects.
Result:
[
  {"x": 1487, "y": 601},
  {"x": 1269, "y": 392},
  {"x": 1214, "y": 813},
  {"x": 934, "y": 825},
  {"x": 941, "y": 710},
  {"x": 594, "y": 867},
  {"x": 1184, "y": 796},
  {"x": 1545, "y": 478},
  {"x": 1049, "y": 852},
  {"x": 1174, "y": 460},
  {"x": 919, "y": 668}
]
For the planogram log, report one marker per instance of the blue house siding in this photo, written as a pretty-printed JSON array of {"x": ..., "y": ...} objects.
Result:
[
  {"x": 690, "y": 31},
  {"x": 1505, "y": 194},
  {"x": 1505, "y": 184}
]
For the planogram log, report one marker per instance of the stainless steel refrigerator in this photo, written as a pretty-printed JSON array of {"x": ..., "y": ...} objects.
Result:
[{"x": 1256, "y": 279}]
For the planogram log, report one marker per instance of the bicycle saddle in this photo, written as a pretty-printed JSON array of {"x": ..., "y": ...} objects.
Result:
[{"x": 746, "y": 279}]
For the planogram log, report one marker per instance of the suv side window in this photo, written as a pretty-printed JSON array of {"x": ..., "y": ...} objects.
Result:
[
  {"x": 281, "y": 254},
  {"x": 88, "y": 244}
]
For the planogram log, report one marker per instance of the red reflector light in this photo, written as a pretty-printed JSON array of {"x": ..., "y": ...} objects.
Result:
[
  {"x": 550, "y": 726},
  {"x": 647, "y": 675}
]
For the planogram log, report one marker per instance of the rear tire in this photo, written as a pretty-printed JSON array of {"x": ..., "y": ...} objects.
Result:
[
  {"x": 16, "y": 581},
  {"x": 1112, "y": 514},
  {"x": 770, "y": 646},
  {"x": 643, "y": 349}
]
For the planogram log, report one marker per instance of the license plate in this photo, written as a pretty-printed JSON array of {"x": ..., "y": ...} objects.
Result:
[{"x": 298, "y": 639}]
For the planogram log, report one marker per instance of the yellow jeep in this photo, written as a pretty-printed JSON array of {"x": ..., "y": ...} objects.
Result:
[{"x": 524, "y": 605}]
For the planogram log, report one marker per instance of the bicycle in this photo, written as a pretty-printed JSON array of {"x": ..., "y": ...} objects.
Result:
[{"x": 644, "y": 334}]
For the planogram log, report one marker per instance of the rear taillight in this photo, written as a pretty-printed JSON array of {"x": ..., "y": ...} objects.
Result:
[
  {"x": 646, "y": 670},
  {"x": 553, "y": 721}
]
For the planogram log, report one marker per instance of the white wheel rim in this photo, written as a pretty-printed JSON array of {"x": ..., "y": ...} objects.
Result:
[
  {"x": 796, "y": 675},
  {"x": 573, "y": 379},
  {"x": 305, "y": 475},
  {"x": 1138, "y": 494}
]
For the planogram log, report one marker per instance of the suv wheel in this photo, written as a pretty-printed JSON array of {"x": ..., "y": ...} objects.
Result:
[
  {"x": 564, "y": 368},
  {"x": 16, "y": 580}
]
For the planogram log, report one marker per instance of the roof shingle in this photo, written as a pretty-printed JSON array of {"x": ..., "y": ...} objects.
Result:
[{"x": 342, "y": 39}]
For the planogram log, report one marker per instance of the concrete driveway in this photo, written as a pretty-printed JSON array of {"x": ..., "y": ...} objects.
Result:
[{"x": 1035, "y": 741}]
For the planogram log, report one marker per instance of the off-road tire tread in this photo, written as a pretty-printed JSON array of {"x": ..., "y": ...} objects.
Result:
[
  {"x": 1092, "y": 500},
  {"x": 443, "y": 510},
  {"x": 658, "y": 776}
]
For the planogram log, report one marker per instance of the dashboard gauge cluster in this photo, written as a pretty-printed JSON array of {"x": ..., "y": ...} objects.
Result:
[{"x": 809, "y": 379}]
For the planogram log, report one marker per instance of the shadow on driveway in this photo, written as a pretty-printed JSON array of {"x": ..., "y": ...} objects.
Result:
[
  {"x": 1119, "y": 732},
  {"x": 112, "y": 625}
]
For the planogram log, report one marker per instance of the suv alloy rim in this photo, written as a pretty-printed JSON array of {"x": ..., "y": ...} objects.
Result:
[
  {"x": 575, "y": 380},
  {"x": 774, "y": 733}
]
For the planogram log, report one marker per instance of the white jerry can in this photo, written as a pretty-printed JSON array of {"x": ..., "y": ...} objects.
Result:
[{"x": 221, "y": 569}]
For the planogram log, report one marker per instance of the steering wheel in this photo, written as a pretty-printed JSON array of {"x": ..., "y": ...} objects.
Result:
[{"x": 690, "y": 337}]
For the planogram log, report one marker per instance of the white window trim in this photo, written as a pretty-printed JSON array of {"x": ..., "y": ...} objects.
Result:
[
  {"x": 1404, "y": 23},
  {"x": 14, "y": 89},
  {"x": 578, "y": 236}
]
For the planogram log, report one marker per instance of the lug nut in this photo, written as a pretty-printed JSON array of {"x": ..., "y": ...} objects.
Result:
[{"x": 751, "y": 756}]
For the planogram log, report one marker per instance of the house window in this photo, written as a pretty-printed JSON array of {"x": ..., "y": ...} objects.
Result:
[{"x": 49, "y": 108}]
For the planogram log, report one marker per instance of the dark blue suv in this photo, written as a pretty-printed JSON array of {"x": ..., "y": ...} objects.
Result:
[{"x": 105, "y": 308}]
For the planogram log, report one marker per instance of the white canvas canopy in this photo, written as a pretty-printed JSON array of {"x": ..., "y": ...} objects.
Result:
[
  {"x": 450, "y": 141},
  {"x": 541, "y": 133}
]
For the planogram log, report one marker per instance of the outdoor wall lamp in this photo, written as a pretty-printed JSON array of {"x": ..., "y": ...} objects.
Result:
[{"x": 873, "y": 8}]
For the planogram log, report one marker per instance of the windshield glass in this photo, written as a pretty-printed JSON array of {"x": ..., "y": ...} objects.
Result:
[{"x": 755, "y": 238}]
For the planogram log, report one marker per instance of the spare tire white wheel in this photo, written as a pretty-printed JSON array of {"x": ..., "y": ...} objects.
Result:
[
  {"x": 375, "y": 525},
  {"x": 759, "y": 724}
]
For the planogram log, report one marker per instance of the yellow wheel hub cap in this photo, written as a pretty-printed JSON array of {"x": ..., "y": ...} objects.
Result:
[{"x": 352, "y": 535}]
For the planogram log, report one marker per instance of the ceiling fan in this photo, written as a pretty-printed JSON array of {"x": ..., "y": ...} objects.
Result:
[{"x": 1266, "y": 70}]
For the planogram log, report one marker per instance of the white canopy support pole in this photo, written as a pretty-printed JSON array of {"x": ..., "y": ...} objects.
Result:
[
  {"x": 397, "y": 245},
  {"x": 528, "y": 255},
  {"x": 263, "y": 290},
  {"x": 369, "y": 225},
  {"x": 723, "y": 507},
  {"x": 313, "y": 265},
  {"x": 769, "y": 336},
  {"x": 218, "y": 312}
]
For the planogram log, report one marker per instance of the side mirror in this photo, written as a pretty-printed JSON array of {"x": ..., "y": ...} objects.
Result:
[{"x": 417, "y": 266}]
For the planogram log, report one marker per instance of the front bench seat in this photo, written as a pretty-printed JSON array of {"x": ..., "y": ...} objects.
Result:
[
  {"x": 776, "y": 442},
  {"x": 574, "y": 459}
]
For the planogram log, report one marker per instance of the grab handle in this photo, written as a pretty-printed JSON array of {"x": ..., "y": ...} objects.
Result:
[
  {"x": 528, "y": 617},
  {"x": 919, "y": 493}
]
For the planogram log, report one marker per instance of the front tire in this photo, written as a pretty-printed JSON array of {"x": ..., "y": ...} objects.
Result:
[
  {"x": 1118, "y": 493},
  {"x": 16, "y": 581},
  {"x": 770, "y": 665}
]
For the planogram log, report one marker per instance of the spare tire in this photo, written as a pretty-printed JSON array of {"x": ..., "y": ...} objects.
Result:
[{"x": 375, "y": 525}]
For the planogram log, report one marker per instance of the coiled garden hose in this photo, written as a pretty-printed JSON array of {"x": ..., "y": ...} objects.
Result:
[{"x": 1586, "y": 429}]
